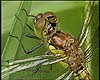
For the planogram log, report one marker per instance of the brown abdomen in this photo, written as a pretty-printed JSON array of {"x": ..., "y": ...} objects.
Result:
[{"x": 83, "y": 75}]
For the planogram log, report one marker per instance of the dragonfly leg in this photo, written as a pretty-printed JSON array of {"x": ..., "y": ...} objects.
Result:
[
  {"x": 27, "y": 13},
  {"x": 28, "y": 16},
  {"x": 28, "y": 51},
  {"x": 22, "y": 25},
  {"x": 28, "y": 35},
  {"x": 30, "y": 27}
]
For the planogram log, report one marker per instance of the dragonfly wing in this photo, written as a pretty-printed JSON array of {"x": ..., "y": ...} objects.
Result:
[
  {"x": 89, "y": 37},
  {"x": 87, "y": 21},
  {"x": 69, "y": 76},
  {"x": 20, "y": 65},
  {"x": 63, "y": 76}
]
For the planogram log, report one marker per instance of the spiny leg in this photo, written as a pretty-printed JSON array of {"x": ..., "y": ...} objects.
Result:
[
  {"x": 21, "y": 23},
  {"x": 30, "y": 28},
  {"x": 28, "y": 16},
  {"x": 35, "y": 37},
  {"x": 31, "y": 50},
  {"x": 27, "y": 13},
  {"x": 32, "y": 36}
]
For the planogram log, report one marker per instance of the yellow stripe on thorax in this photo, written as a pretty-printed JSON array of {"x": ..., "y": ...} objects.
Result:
[{"x": 55, "y": 51}]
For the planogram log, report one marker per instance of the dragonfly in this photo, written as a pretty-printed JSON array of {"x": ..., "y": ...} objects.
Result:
[{"x": 62, "y": 47}]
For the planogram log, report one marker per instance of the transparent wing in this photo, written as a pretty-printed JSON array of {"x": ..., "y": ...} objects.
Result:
[
  {"x": 65, "y": 76},
  {"x": 89, "y": 14},
  {"x": 89, "y": 37},
  {"x": 24, "y": 64}
]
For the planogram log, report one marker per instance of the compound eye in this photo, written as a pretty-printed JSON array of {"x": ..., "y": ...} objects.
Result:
[{"x": 38, "y": 17}]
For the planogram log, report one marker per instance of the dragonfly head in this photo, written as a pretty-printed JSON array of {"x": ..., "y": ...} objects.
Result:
[{"x": 44, "y": 23}]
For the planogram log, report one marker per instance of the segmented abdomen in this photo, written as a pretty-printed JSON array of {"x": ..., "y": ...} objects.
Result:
[
  {"x": 82, "y": 74},
  {"x": 67, "y": 46}
]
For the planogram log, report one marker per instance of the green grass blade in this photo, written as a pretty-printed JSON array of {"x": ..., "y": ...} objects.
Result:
[{"x": 11, "y": 46}]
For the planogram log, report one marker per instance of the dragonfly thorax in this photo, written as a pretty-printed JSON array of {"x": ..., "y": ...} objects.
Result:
[{"x": 62, "y": 43}]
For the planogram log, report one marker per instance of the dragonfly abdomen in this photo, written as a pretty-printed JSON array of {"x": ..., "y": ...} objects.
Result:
[
  {"x": 82, "y": 74},
  {"x": 62, "y": 43}
]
